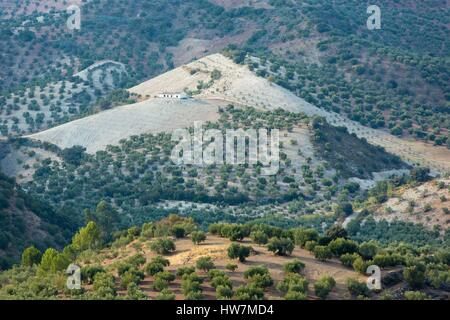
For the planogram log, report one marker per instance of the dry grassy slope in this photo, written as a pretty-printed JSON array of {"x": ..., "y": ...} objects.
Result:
[
  {"x": 240, "y": 86},
  {"x": 187, "y": 254},
  {"x": 422, "y": 204}
]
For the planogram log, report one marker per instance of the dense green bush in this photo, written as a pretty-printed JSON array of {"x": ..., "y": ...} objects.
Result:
[
  {"x": 357, "y": 288},
  {"x": 204, "y": 263},
  {"x": 323, "y": 286},
  {"x": 294, "y": 266},
  {"x": 280, "y": 246},
  {"x": 198, "y": 237},
  {"x": 237, "y": 251},
  {"x": 163, "y": 246}
]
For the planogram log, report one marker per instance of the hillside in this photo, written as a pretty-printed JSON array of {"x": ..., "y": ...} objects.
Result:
[
  {"x": 137, "y": 175},
  {"x": 216, "y": 80},
  {"x": 24, "y": 221},
  {"x": 426, "y": 204},
  {"x": 43, "y": 106},
  {"x": 172, "y": 259},
  {"x": 321, "y": 51},
  {"x": 98, "y": 131},
  {"x": 216, "y": 247},
  {"x": 87, "y": 122}
]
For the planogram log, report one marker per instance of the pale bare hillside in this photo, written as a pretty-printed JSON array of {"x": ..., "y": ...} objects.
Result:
[
  {"x": 217, "y": 77},
  {"x": 109, "y": 127},
  {"x": 428, "y": 204}
]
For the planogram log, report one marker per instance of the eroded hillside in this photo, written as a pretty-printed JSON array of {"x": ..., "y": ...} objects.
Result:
[{"x": 427, "y": 204}]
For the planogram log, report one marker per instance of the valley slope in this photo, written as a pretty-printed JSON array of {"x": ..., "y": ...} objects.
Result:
[{"x": 234, "y": 84}]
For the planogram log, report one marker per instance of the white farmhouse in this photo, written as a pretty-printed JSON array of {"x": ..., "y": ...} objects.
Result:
[{"x": 177, "y": 95}]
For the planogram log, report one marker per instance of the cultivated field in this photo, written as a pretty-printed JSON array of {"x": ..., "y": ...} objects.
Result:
[
  {"x": 38, "y": 108},
  {"x": 187, "y": 254},
  {"x": 240, "y": 86},
  {"x": 236, "y": 85},
  {"x": 109, "y": 127}
]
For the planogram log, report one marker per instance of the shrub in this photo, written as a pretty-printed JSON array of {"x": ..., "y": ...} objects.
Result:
[
  {"x": 224, "y": 292},
  {"x": 134, "y": 293},
  {"x": 165, "y": 275},
  {"x": 131, "y": 276},
  {"x": 185, "y": 271},
  {"x": 153, "y": 268},
  {"x": 294, "y": 266},
  {"x": 420, "y": 174},
  {"x": 335, "y": 232},
  {"x": 137, "y": 260},
  {"x": 104, "y": 285},
  {"x": 237, "y": 233},
  {"x": 198, "y": 237},
  {"x": 357, "y": 288},
  {"x": 215, "y": 228},
  {"x": 165, "y": 294},
  {"x": 88, "y": 272},
  {"x": 415, "y": 295},
  {"x": 368, "y": 249},
  {"x": 205, "y": 263},
  {"x": 193, "y": 277},
  {"x": 194, "y": 295},
  {"x": 293, "y": 282},
  {"x": 360, "y": 265},
  {"x": 341, "y": 246},
  {"x": 238, "y": 251},
  {"x": 388, "y": 260},
  {"x": 249, "y": 292},
  {"x": 221, "y": 281},
  {"x": 252, "y": 271},
  {"x": 415, "y": 275},
  {"x": 231, "y": 266},
  {"x": 323, "y": 286},
  {"x": 31, "y": 256},
  {"x": 348, "y": 259},
  {"x": 133, "y": 232},
  {"x": 190, "y": 286},
  {"x": 281, "y": 246},
  {"x": 344, "y": 209},
  {"x": 160, "y": 284},
  {"x": 213, "y": 273},
  {"x": 162, "y": 246},
  {"x": 261, "y": 280},
  {"x": 233, "y": 232},
  {"x": 259, "y": 237},
  {"x": 178, "y": 231},
  {"x": 161, "y": 260},
  {"x": 52, "y": 261},
  {"x": 148, "y": 230},
  {"x": 310, "y": 245},
  {"x": 322, "y": 253},
  {"x": 295, "y": 295},
  {"x": 301, "y": 236}
]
